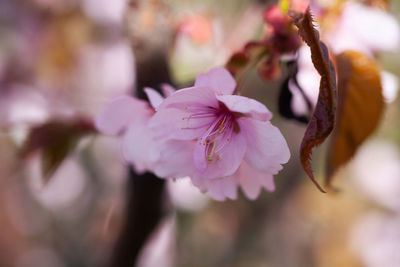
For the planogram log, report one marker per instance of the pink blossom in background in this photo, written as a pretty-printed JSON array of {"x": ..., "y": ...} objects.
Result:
[
  {"x": 308, "y": 79},
  {"x": 128, "y": 117},
  {"x": 24, "y": 106},
  {"x": 390, "y": 86},
  {"x": 364, "y": 29},
  {"x": 198, "y": 27},
  {"x": 104, "y": 71},
  {"x": 185, "y": 196},
  {"x": 105, "y": 11},
  {"x": 299, "y": 5},
  {"x": 379, "y": 182},
  {"x": 198, "y": 44},
  {"x": 21, "y": 104},
  {"x": 160, "y": 248},
  {"x": 221, "y": 132},
  {"x": 58, "y": 5},
  {"x": 64, "y": 190},
  {"x": 375, "y": 238}
]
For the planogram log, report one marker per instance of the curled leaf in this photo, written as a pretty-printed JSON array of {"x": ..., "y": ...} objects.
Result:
[
  {"x": 360, "y": 106},
  {"x": 55, "y": 140},
  {"x": 323, "y": 118}
]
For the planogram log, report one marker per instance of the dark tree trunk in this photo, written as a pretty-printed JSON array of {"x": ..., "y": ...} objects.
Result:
[{"x": 144, "y": 193}]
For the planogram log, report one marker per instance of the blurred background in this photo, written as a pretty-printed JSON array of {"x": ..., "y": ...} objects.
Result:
[{"x": 62, "y": 59}]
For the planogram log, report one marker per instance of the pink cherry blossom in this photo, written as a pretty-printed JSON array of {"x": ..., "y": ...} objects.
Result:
[{"x": 223, "y": 132}]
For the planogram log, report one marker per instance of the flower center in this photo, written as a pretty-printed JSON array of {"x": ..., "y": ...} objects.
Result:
[
  {"x": 218, "y": 132},
  {"x": 217, "y": 136}
]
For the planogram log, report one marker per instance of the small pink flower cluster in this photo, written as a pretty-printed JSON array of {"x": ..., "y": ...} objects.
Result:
[{"x": 220, "y": 140}]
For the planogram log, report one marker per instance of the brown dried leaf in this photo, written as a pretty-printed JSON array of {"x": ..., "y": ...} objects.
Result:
[
  {"x": 323, "y": 118},
  {"x": 55, "y": 139},
  {"x": 360, "y": 106}
]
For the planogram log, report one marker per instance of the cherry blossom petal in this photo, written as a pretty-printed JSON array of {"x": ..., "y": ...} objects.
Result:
[
  {"x": 137, "y": 146},
  {"x": 342, "y": 39},
  {"x": 225, "y": 163},
  {"x": 372, "y": 27},
  {"x": 172, "y": 123},
  {"x": 252, "y": 180},
  {"x": 266, "y": 147},
  {"x": 298, "y": 103},
  {"x": 167, "y": 89},
  {"x": 268, "y": 182},
  {"x": 247, "y": 177},
  {"x": 390, "y": 86},
  {"x": 229, "y": 185},
  {"x": 194, "y": 97},
  {"x": 175, "y": 159},
  {"x": 118, "y": 113},
  {"x": 218, "y": 189},
  {"x": 199, "y": 182},
  {"x": 219, "y": 79},
  {"x": 251, "y": 188},
  {"x": 247, "y": 106},
  {"x": 214, "y": 188},
  {"x": 155, "y": 98},
  {"x": 307, "y": 76}
]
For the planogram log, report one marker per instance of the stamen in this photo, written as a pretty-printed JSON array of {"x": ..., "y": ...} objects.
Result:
[{"x": 212, "y": 151}]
